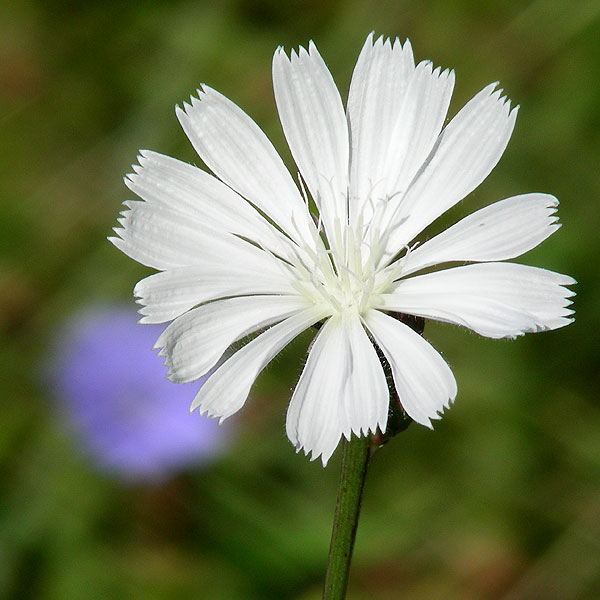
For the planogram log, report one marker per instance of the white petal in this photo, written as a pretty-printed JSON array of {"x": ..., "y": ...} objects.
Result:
[
  {"x": 500, "y": 231},
  {"x": 418, "y": 126},
  {"x": 379, "y": 82},
  {"x": 160, "y": 237},
  {"x": 342, "y": 390},
  {"x": 465, "y": 153},
  {"x": 424, "y": 382},
  {"x": 164, "y": 296},
  {"x": 192, "y": 192},
  {"x": 239, "y": 153},
  {"x": 314, "y": 123},
  {"x": 494, "y": 299},
  {"x": 195, "y": 341},
  {"x": 228, "y": 387}
]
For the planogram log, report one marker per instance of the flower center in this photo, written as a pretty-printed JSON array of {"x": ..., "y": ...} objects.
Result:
[{"x": 344, "y": 276}]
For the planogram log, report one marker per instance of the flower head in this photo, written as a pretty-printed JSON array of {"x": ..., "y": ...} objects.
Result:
[
  {"x": 127, "y": 416},
  {"x": 240, "y": 253}
]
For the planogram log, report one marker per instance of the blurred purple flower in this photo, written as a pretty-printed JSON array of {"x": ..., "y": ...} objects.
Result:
[{"x": 112, "y": 388}]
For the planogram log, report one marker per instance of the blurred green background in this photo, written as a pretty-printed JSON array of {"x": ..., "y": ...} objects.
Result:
[{"x": 502, "y": 501}]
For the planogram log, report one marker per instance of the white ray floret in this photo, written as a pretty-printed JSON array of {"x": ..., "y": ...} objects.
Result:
[
  {"x": 329, "y": 400},
  {"x": 240, "y": 254}
]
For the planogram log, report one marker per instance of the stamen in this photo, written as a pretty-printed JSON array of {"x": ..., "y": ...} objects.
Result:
[
  {"x": 393, "y": 271},
  {"x": 341, "y": 268}
]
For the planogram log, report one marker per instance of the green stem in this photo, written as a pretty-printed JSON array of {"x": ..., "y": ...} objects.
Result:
[{"x": 355, "y": 458}]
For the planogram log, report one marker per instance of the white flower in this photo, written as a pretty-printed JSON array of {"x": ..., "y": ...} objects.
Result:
[{"x": 240, "y": 253}]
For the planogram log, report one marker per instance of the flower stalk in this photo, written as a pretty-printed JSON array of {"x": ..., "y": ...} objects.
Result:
[{"x": 355, "y": 460}]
